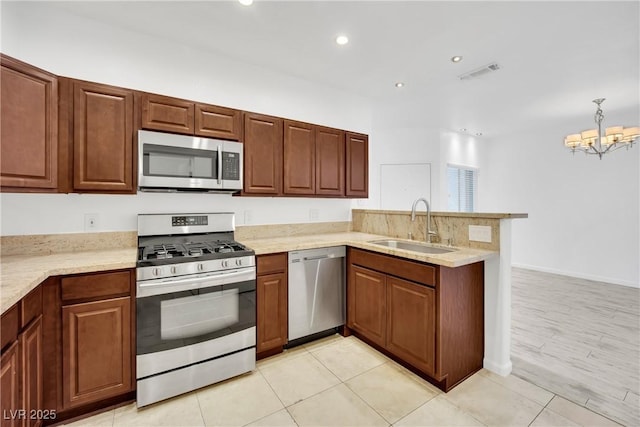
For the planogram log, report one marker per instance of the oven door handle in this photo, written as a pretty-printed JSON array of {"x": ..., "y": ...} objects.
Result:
[{"x": 165, "y": 286}]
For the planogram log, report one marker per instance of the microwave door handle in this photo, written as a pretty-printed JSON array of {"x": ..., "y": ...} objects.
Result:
[{"x": 219, "y": 165}]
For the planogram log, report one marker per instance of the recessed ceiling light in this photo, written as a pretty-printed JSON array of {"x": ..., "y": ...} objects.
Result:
[
  {"x": 463, "y": 129},
  {"x": 246, "y": 2},
  {"x": 478, "y": 133},
  {"x": 456, "y": 58},
  {"x": 342, "y": 39},
  {"x": 399, "y": 84}
]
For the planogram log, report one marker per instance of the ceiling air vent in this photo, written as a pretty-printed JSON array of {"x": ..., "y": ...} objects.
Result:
[{"x": 478, "y": 72}]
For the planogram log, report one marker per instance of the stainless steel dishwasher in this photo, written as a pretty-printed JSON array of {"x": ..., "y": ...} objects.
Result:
[{"x": 316, "y": 290}]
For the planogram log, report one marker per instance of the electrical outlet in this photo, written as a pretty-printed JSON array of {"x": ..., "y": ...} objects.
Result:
[
  {"x": 480, "y": 233},
  {"x": 91, "y": 221},
  {"x": 314, "y": 214}
]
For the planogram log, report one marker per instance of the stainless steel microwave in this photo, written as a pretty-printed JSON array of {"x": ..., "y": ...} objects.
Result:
[{"x": 170, "y": 162}]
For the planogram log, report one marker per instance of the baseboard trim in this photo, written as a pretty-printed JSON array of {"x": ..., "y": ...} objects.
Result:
[
  {"x": 500, "y": 369},
  {"x": 606, "y": 280}
]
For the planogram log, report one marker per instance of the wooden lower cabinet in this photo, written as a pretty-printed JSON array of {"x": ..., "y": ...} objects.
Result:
[
  {"x": 427, "y": 316},
  {"x": 367, "y": 306},
  {"x": 89, "y": 342},
  {"x": 22, "y": 365},
  {"x": 10, "y": 386},
  {"x": 272, "y": 304},
  {"x": 96, "y": 351},
  {"x": 411, "y": 323},
  {"x": 32, "y": 365}
]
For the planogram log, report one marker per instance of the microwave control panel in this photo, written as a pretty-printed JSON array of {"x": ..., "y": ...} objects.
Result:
[{"x": 230, "y": 166}]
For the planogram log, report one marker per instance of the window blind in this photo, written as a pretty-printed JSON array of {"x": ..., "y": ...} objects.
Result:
[{"x": 462, "y": 188}]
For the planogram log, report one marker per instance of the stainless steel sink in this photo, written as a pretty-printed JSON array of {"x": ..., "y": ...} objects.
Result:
[{"x": 412, "y": 246}]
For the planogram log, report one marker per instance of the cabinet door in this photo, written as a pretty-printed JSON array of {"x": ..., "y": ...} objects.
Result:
[
  {"x": 31, "y": 344},
  {"x": 262, "y": 154},
  {"x": 96, "y": 349},
  {"x": 367, "y": 304},
  {"x": 29, "y": 126},
  {"x": 167, "y": 114},
  {"x": 411, "y": 323},
  {"x": 102, "y": 138},
  {"x": 357, "y": 165},
  {"x": 299, "y": 158},
  {"x": 271, "y": 295},
  {"x": 10, "y": 387},
  {"x": 330, "y": 163},
  {"x": 218, "y": 122}
]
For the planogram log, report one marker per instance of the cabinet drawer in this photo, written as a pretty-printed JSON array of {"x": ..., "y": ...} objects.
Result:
[
  {"x": 31, "y": 306},
  {"x": 273, "y": 263},
  {"x": 410, "y": 270},
  {"x": 96, "y": 285},
  {"x": 9, "y": 326}
]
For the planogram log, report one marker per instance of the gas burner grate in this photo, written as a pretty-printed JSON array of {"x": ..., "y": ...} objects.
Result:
[
  {"x": 163, "y": 251},
  {"x": 197, "y": 249}
]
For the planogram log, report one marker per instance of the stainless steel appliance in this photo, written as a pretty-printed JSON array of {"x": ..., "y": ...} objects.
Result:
[
  {"x": 316, "y": 291},
  {"x": 196, "y": 304},
  {"x": 170, "y": 162}
]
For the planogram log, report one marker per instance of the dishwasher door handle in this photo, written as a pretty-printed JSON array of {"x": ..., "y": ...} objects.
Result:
[{"x": 313, "y": 258}]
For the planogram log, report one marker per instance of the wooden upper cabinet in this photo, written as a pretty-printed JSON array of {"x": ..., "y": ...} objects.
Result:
[
  {"x": 29, "y": 127},
  {"x": 176, "y": 115},
  {"x": 357, "y": 165},
  {"x": 218, "y": 122},
  {"x": 299, "y": 158},
  {"x": 103, "y": 138},
  {"x": 330, "y": 164},
  {"x": 167, "y": 114},
  {"x": 262, "y": 154}
]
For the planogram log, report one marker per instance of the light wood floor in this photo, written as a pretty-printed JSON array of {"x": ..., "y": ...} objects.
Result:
[{"x": 579, "y": 339}]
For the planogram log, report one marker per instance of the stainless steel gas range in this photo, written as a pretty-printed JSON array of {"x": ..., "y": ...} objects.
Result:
[{"x": 196, "y": 304}]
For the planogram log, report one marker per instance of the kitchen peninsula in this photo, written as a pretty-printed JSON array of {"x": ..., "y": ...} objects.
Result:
[{"x": 29, "y": 260}]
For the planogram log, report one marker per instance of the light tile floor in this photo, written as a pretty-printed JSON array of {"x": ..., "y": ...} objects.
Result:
[
  {"x": 343, "y": 382},
  {"x": 579, "y": 339}
]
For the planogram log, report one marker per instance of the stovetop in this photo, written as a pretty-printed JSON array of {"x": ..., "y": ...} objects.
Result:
[{"x": 192, "y": 251}]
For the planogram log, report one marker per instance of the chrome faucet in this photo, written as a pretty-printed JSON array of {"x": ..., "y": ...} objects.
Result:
[{"x": 428, "y": 230}]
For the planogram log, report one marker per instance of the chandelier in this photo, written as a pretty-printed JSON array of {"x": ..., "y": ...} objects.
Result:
[{"x": 592, "y": 141}]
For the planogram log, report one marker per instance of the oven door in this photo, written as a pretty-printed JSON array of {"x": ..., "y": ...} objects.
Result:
[{"x": 190, "y": 319}]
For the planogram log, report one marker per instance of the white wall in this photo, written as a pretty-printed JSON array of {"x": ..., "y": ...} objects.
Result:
[
  {"x": 584, "y": 215},
  {"x": 390, "y": 144},
  {"x": 76, "y": 47}
]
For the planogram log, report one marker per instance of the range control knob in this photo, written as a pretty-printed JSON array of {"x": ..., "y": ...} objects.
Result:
[
  {"x": 225, "y": 263},
  {"x": 200, "y": 267},
  {"x": 239, "y": 261},
  {"x": 156, "y": 271},
  {"x": 173, "y": 270}
]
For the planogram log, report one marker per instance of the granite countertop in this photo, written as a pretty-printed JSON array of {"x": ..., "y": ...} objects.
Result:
[
  {"x": 22, "y": 273},
  {"x": 460, "y": 257}
]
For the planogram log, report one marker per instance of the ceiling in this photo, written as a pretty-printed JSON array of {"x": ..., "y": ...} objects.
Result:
[{"x": 554, "y": 57}]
